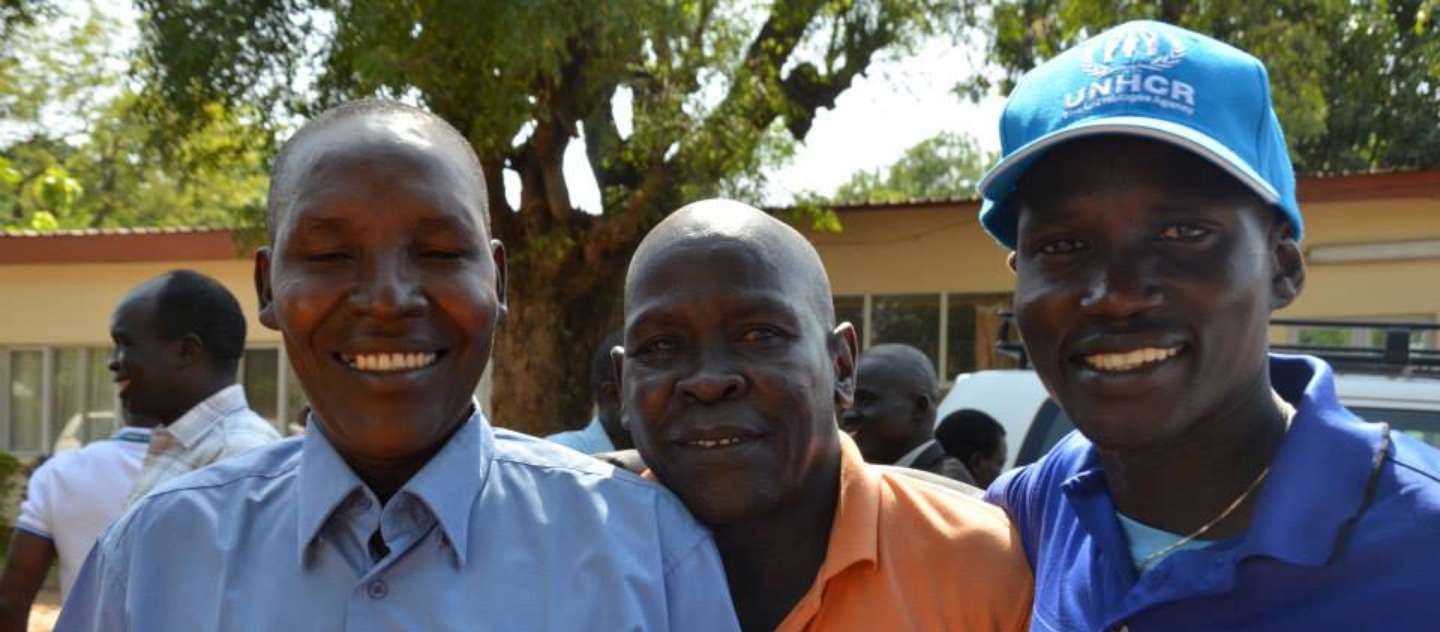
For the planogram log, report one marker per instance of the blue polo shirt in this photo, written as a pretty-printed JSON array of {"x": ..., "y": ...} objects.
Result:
[{"x": 1337, "y": 542}]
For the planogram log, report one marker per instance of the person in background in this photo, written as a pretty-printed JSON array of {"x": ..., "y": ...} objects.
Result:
[
  {"x": 893, "y": 417},
  {"x": 606, "y": 431},
  {"x": 178, "y": 342},
  {"x": 1148, "y": 198},
  {"x": 732, "y": 374},
  {"x": 69, "y": 501},
  {"x": 977, "y": 440},
  {"x": 401, "y": 507}
]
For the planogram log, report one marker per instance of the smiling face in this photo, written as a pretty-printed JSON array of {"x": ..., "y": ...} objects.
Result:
[
  {"x": 384, "y": 281},
  {"x": 145, "y": 364},
  {"x": 730, "y": 378},
  {"x": 1145, "y": 279}
]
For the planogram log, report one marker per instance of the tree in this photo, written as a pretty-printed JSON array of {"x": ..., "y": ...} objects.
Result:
[
  {"x": 947, "y": 166},
  {"x": 673, "y": 101},
  {"x": 1356, "y": 83},
  {"x": 81, "y": 155}
]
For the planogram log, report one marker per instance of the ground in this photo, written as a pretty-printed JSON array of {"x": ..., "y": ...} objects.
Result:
[{"x": 45, "y": 610}]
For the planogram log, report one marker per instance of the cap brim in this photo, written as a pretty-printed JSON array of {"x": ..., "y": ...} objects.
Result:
[{"x": 997, "y": 214}]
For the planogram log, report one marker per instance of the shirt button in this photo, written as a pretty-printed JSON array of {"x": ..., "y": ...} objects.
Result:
[{"x": 377, "y": 589}]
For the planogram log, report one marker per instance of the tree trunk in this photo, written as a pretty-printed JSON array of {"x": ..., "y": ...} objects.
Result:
[{"x": 542, "y": 354}]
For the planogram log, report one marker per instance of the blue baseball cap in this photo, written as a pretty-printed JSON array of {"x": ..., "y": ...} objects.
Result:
[{"x": 1153, "y": 80}]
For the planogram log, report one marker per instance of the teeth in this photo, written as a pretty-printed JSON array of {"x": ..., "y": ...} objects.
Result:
[
  {"x": 716, "y": 443},
  {"x": 389, "y": 362},
  {"x": 1130, "y": 360}
]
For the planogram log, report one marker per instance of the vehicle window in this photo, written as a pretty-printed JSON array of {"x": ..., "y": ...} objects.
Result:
[
  {"x": 1050, "y": 426},
  {"x": 1421, "y": 424}
]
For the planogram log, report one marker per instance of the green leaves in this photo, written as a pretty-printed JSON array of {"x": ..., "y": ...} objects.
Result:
[{"x": 947, "y": 166}]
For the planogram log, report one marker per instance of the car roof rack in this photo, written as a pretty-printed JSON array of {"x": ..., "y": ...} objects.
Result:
[{"x": 1393, "y": 356}]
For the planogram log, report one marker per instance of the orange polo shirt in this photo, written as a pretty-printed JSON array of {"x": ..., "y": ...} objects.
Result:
[{"x": 909, "y": 555}]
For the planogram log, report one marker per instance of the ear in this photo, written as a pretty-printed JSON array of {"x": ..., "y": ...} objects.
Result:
[
  {"x": 1287, "y": 268},
  {"x": 1010, "y": 260},
  {"x": 617, "y": 371},
  {"x": 844, "y": 348},
  {"x": 190, "y": 349},
  {"x": 924, "y": 410},
  {"x": 502, "y": 281},
  {"x": 262, "y": 288}
]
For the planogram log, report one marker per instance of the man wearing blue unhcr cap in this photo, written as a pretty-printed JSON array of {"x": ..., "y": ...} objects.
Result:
[{"x": 1149, "y": 201}]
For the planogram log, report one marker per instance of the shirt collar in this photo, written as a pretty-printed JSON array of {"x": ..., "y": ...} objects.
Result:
[
  {"x": 197, "y": 422},
  {"x": 1319, "y": 476},
  {"x": 914, "y": 455},
  {"x": 447, "y": 485},
  {"x": 133, "y": 434},
  {"x": 1317, "y": 480},
  {"x": 855, "y": 534},
  {"x": 597, "y": 438}
]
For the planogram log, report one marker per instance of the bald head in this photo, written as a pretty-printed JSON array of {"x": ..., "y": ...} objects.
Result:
[
  {"x": 720, "y": 223},
  {"x": 369, "y": 129},
  {"x": 905, "y": 365}
]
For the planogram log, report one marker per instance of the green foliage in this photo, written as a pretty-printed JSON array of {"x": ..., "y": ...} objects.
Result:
[
  {"x": 1356, "y": 82},
  {"x": 12, "y": 484},
  {"x": 82, "y": 153},
  {"x": 947, "y": 166}
]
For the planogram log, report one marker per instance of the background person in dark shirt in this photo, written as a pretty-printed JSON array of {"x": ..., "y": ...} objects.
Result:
[
  {"x": 893, "y": 418},
  {"x": 977, "y": 440}
]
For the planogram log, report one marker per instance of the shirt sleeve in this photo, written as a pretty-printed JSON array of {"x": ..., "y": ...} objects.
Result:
[
  {"x": 1011, "y": 492},
  {"x": 35, "y": 510},
  {"x": 97, "y": 600}
]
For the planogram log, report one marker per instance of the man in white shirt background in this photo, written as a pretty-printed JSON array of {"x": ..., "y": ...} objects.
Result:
[{"x": 178, "y": 342}]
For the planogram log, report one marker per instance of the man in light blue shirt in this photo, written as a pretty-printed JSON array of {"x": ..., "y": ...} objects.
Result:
[
  {"x": 401, "y": 508},
  {"x": 606, "y": 431}
]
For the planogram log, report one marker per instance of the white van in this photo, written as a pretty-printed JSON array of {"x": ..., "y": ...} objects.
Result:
[{"x": 1395, "y": 384}]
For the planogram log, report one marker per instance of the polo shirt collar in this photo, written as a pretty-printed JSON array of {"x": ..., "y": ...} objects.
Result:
[
  {"x": 855, "y": 533},
  {"x": 1319, "y": 478},
  {"x": 200, "y": 420},
  {"x": 447, "y": 485}
]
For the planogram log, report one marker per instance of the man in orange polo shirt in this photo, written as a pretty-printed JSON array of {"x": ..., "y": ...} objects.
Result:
[{"x": 732, "y": 373}]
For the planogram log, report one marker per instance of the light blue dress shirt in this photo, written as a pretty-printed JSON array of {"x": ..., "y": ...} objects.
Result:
[
  {"x": 590, "y": 440},
  {"x": 499, "y": 531}
]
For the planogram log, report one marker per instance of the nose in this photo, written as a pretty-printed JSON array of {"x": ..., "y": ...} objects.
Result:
[
  {"x": 388, "y": 289},
  {"x": 1125, "y": 286},
  {"x": 114, "y": 363},
  {"x": 715, "y": 380}
]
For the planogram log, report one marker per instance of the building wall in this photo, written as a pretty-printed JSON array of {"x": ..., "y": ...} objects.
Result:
[{"x": 71, "y": 303}]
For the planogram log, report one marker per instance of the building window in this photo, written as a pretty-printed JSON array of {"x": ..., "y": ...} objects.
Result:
[
  {"x": 851, "y": 309},
  {"x": 912, "y": 319},
  {"x": 27, "y": 403},
  {"x": 1362, "y": 337},
  {"x": 956, "y": 331},
  {"x": 260, "y": 375},
  {"x": 60, "y": 398}
]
